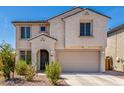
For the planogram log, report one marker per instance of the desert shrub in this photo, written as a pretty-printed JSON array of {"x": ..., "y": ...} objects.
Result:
[
  {"x": 1, "y": 65},
  {"x": 29, "y": 62},
  {"x": 53, "y": 71},
  {"x": 30, "y": 73},
  {"x": 1, "y": 73},
  {"x": 21, "y": 67},
  {"x": 7, "y": 56}
]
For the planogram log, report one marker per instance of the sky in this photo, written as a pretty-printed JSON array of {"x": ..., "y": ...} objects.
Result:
[{"x": 23, "y": 13}]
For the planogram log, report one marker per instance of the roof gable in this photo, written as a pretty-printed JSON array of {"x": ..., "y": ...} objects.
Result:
[
  {"x": 78, "y": 10},
  {"x": 42, "y": 34}
]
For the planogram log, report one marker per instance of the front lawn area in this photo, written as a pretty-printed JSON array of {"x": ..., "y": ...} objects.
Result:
[
  {"x": 39, "y": 80},
  {"x": 23, "y": 73}
]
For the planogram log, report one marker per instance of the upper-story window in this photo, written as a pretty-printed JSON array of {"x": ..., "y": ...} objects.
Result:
[
  {"x": 25, "y": 32},
  {"x": 42, "y": 28},
  {"x": 85, "y": 29}
]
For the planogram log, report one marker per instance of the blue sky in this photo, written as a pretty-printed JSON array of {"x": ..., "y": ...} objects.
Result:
[{"x": 9, "y": 14}]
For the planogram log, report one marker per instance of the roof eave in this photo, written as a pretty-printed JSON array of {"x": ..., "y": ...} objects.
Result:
[
  {"x": 63, "y": 13},
  {"x": 98, "y": 13}
]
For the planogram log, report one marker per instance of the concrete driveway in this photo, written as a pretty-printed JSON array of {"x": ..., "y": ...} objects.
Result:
[{"x": 93, "y": 79}]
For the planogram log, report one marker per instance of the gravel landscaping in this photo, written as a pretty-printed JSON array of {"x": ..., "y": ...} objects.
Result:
[{"x": 39, "y": 80}]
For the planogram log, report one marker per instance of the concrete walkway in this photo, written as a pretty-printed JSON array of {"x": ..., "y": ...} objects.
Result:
[{"x": 92, "y": 79}]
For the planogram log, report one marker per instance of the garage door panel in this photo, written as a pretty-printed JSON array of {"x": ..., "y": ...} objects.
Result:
[{"x": 79, "y": 61}]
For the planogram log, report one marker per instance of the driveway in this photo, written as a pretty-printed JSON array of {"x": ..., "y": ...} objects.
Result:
[{"x": 93, "y": 79}]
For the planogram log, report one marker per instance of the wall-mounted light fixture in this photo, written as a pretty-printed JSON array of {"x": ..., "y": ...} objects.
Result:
[{"x": 51, "y": 53}]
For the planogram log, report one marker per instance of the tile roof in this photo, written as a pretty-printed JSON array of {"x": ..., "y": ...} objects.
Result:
[{"x": 116, "y": 29}]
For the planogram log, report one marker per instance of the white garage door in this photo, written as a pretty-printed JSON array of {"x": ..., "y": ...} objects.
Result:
[{"x": 79, "y": 61}]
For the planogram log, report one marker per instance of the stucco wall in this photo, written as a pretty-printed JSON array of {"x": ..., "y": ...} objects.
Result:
[
  {"x": 57, "y": 28},
  {"x": 22, "y": 44},
  {"x": 115, "y": 48},
  {"x": 44, "y": 43},
  {"x": 67, "y": 31},
  {"x": 72, "y": 30}
]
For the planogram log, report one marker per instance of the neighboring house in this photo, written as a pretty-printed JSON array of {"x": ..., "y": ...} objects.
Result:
[
  {"x": 76, "y": 38},
  {"x": 115, "y": 47}
]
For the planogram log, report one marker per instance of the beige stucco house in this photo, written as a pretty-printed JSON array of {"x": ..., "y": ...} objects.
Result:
[
  {"x": 76, "y": 38},
  {"x": 115, "y": 47}
]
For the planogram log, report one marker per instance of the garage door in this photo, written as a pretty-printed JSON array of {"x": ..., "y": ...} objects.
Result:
[{"x": 73, "y": 61}]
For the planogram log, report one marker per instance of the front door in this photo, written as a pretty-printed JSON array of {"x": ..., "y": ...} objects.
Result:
[{"x": 44, "y": 59}]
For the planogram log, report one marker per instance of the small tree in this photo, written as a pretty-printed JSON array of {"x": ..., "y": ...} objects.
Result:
[
  {"x": 7, "y": 56},
  {"x": 53, "y": 71}
]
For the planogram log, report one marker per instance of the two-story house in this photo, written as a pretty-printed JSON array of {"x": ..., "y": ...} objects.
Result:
[
  {"x": 115, "y": 47},
  {"x": 76, "y": 38}
]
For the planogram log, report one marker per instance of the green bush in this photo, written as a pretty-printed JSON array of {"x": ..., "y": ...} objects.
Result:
[
  {"x": 1, "y": 73},
  {"x": 1, "y": 65},
  {"x": 53, "y": 71},
  {"x": 30, "y": 73},
  {"x": 1, "y": 68},
  {"x": 21, "y": 67},
  {"x": 7, "y": 61}
]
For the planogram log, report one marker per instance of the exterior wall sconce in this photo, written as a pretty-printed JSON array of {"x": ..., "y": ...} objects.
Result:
[
  {"x": 51, "y": 53},
  {"x": 122, "y": 60},
  {"x": 118, "y": 59}
]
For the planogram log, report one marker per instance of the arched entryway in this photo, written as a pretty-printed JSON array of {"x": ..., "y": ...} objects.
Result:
[{"x": 44, "y": 59}]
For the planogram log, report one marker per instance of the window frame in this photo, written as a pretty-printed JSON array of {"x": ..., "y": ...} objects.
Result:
[
  {"x": 25, "y": 33},
  {"x": 26, "y": 55},
  {"x": 20, "y": 55},
  {"x": 91, "y": 29},
  {"x": 45, "y": 29}
]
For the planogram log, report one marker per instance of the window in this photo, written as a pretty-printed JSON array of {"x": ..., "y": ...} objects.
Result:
[
  {"x": 25, "y": 32},
  {"x": 22, "y": 55},
  {"x": 43, "y": 29},
  {"x": 26, "y": 56},
  {"x": 85, "y": 29}
]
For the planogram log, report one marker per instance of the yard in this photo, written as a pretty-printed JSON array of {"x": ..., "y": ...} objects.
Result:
[
  {"x": 39, "y": 80},
  {"x": 23, "y": 73}
]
